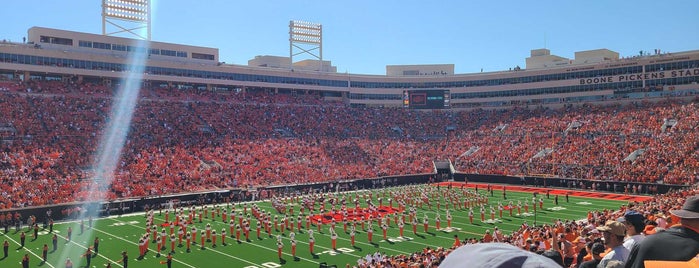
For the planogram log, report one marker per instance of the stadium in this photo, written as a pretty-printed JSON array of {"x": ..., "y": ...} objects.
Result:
[{"x": 264, "y": 150}]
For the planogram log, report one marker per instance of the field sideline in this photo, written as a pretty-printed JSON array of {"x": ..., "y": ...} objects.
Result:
[{"x": 119, "y": 233}]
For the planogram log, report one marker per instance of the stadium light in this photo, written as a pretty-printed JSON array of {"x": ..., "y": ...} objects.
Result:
[
  {"x": 127, "y": 16},
  {"x": 306, "y": 37}
]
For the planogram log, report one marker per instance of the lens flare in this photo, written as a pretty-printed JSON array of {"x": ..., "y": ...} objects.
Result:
[{"x": 110, "y": 147}]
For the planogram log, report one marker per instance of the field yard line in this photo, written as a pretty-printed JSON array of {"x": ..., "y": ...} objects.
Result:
[
  {"x": 466, "y": 232},
  {"x": 320, "y": 246},
  {"x": 231, "y": 256},
  {"x": 130, "y": 242},
  {"x": 539, "y": 215},
  {"x": 79, "y": 245},
  {"x": 301, "y": 242},
  {"x": 27, "y": 249},
  {"x": 477, "y": 219},
  {"x": 345, "y": 239},
  {"x": 561, "y": 203},
  {"x": 255, "y": 264},
  {"x": 226, "y": 254},
  {"x": 284, "y": 253},
  {"x": 521, "y": 189}
]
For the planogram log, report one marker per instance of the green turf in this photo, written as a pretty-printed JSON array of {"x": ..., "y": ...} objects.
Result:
[{"x": 122, "y": 233}]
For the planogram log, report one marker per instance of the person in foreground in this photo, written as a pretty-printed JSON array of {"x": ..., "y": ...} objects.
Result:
[
  {"x": 678, "y": 243},
  {"x": 613, "y": 233},
  {"x": 496, "y": 255}
]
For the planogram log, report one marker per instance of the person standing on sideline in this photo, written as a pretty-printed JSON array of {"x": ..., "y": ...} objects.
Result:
[
  {"x": 54, "y": 241},
  {"x": 69, "y": 233},
  {"x": 96, "y": 245},
  {"x": 5, "y": 248},
  {"x": 44, "y": 252},
  {"x": 22, "y": 238},
  {"x": 168, "y": 260},
  {"x": 36, "y": 232},
  {"x": 25, "y": 261},
  {"x": 88, "y": 256},
  {"x": 124, "y": 259}
]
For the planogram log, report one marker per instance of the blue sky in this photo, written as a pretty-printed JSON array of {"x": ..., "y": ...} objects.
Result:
[{"x": 363, "y": 36}]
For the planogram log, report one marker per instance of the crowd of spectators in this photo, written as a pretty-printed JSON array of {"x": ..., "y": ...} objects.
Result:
[
  {"x": 188, "y": 140},
  {"x": 595, "y": 147}
]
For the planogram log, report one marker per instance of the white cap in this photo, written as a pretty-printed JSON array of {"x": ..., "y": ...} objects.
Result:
[{"x": 495, "y": 255}]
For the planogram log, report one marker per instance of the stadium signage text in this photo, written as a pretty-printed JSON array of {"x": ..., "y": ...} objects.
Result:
[{"x": 638, "y": 77}]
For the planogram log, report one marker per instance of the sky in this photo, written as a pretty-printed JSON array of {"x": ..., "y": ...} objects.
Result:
[{"x": 363, "y": 36}]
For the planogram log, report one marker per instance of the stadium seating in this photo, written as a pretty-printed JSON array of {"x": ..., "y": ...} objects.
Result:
[{"x": 189, "y": 140}]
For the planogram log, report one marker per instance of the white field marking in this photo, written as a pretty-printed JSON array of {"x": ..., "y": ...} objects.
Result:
[
  {"x": 231, "y": 256},
  {"x": 79, "y": 245},
  {"x": 316, "y": 245},
  {"x": 30, "y": 252},
  {"x": 130, "y": 242}
]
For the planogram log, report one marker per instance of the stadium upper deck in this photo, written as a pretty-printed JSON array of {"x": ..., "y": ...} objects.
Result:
[{"x": 53, "y": 54}]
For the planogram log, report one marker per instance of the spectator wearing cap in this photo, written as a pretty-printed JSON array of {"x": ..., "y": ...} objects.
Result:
[
  {"x": 677, "y": 243},
  {"x": 634, "y": 223},
  {"x": 613, "y": 233},
  {"x": 596, "y": 249}
]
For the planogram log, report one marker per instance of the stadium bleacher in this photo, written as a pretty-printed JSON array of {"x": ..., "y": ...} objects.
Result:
[{"x": 193, "y": 140}]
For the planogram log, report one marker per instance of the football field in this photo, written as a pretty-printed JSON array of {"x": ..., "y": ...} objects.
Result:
[{"x": 122, "y": 233}]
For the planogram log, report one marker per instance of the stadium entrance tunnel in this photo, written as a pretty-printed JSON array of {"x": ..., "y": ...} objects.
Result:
[{"x": 444, "y": 169}]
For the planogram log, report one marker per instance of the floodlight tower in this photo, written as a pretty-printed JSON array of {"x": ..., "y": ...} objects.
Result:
[
  {"x": 127, "y": 16},
  {"x": 306, "y": 37}
]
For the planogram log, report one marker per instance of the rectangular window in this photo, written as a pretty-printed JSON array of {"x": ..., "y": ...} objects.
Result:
[
  {"x": 118, "y": 47},
  {"x": 102, "y": 45},
  {"x": 166, "y": 52},
  {"x": 202, "y": 56},
  {"x": 181, "y": 54},
  {"x": 83, "y": 43},
  {"x": 56, "y": 40},
  {"x": 136, "y": 49}
]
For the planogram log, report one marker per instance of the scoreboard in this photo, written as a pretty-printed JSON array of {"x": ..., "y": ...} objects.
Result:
[{"x": 426, "y": 99}]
